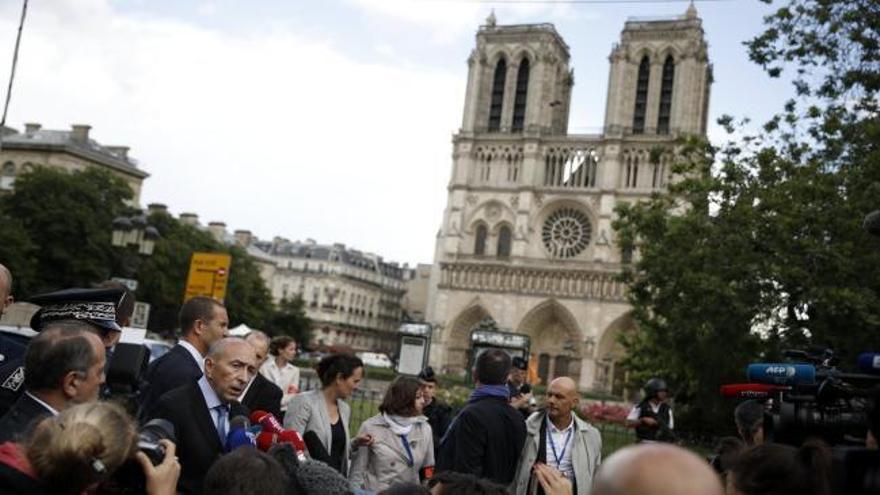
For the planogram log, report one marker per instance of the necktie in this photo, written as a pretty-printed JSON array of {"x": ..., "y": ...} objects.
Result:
[{"x": 222, "y": 412}]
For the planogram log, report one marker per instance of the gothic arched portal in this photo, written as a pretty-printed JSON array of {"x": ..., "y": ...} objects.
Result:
[{"x": 555, "y": 338}]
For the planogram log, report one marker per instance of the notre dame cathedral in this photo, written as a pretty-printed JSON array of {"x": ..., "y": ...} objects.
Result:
[{"x": 526, "y": 237}]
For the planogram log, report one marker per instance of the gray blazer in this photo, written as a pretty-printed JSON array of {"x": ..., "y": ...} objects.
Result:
[
  {"x": 586, "y": 454},
  {"x": 385, "y": 461},
  {"x": 308, "y": 412}
]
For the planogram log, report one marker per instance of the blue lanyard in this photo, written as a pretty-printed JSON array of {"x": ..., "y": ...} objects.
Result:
[
  {"x": 409, "y": 453},
  {"x": 553, "y": 446}
]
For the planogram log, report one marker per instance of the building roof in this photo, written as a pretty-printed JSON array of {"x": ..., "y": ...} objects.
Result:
[
  {"x": 115, "y": 157},
  {"x": 332, "y": 252}
]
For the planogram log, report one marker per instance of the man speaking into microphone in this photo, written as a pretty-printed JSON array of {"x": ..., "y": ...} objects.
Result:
[{"x": 200, "y": 411}]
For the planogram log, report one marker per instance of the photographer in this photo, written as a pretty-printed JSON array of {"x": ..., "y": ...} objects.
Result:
[{"x": 78, "y": 449}]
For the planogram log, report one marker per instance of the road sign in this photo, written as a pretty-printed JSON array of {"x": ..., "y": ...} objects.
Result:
[
  {"x": 208, "y": 275},
  {"x": 141, "y": 315}
]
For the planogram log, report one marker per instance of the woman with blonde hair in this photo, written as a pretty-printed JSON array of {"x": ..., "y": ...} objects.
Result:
[{"x": 79, "y": 448}]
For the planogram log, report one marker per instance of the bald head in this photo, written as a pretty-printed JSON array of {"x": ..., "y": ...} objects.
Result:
[
  {"x": 5, "y": 288},
  {"x": 656, "y": 469},
  {"x": 562, "y": 398},
  {"x": 260, "y": 342}
]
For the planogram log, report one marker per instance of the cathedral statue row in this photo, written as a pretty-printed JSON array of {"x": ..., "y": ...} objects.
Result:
[{"x": 529, "y": 210}]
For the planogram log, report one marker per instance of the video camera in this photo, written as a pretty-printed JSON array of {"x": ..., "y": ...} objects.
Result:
[{"x": 811, "y": 398}]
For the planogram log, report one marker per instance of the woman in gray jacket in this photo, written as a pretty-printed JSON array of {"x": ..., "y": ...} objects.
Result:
[{"x": 402, "y": 448}]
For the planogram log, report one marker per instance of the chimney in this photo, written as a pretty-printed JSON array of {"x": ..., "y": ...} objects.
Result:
[
  {"x": 120, "y": 151},
  {"x": 80, "y": 132},
  {"x": 217, "y": 229},
  {"x": 156, "y": 208},
  {"x": 243, "y": 237},
  {"x": 31, "y": 128},
  {"x": 189, "y": 219}
]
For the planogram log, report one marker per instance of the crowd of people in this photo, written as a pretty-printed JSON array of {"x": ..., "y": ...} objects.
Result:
[{"x": 231, "y": 420}]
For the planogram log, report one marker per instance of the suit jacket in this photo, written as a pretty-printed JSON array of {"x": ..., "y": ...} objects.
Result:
[
  {"x": 174, "y": 369},
  {"x": 308, "y": 412},
  {"x": 198, "y": 445},
  {"x": 263, "y": 395},
  {"x": 17, "y": 423}
]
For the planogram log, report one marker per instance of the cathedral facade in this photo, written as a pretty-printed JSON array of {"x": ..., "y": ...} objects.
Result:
[{"x": 526, "y": 237}]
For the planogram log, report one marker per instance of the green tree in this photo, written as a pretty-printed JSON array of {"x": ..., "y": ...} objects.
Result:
[
  {"x": 163, "y": 275},
  {"x": 760, "y": 246},
  {"x": 17, "y": 252},
  {"x": 290, "y": 319},
  {"x": 68, "y": 218}
]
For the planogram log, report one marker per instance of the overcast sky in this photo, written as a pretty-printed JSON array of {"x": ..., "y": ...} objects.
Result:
[{"x": 322, "y": 119}]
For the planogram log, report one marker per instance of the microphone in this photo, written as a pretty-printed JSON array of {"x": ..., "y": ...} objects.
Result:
[
  {"x": 316, "y": 448},
  {"x": 296, "y": 440},
  {"x": 869, "y": 362},
  {"x": 871, "y": 224},
  {"x": 239, "y": 436},
  {"x": 267, "y": 421},
  {"x": 781, "y": 373},
  {"x": 751, "y": 390},
  {"x": 265, "y": 440}
]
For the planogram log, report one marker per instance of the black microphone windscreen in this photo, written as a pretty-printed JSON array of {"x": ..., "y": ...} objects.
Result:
[
  {"x": 316, "y": 449},
  {"x": 872, "y": 223},
  {"x": 317, "y": 477},
  {"x": 239, "y": 422}
]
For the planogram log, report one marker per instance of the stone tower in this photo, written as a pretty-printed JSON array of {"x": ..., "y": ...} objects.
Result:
[{"x": 526, "y": 236}]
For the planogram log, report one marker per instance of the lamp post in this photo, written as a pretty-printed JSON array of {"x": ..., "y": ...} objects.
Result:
[{"x": 133, "y": 232}]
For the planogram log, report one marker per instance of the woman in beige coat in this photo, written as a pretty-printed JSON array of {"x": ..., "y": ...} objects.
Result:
[{"x": 402, "y": 448}]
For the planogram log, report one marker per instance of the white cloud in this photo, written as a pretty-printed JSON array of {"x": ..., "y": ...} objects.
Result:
[{"x": 268, "y": 132}]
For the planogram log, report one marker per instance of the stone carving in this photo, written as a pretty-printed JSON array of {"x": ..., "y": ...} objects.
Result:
[
  {"x": 472, "y": 199},
  {"x": 514, "y": 201}
]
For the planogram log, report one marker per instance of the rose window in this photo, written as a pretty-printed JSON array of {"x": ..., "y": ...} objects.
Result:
[{"x": 566, "y": 233}]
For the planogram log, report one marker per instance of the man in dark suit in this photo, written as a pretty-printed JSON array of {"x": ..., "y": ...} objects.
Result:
[
  {"x": 64, "y": 366},
  {"x": 487, "y": 436},
  {"x": 200, "y": 411},
  {"x": 261, "y": 394},
  {"x": 203, "y": 321}
]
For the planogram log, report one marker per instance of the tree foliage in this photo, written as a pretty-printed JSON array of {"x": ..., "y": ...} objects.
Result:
[
  {"x": 56, "y": 234},
  {"x": 760, "y": 246},
  {"x": 290, "y": 319}
]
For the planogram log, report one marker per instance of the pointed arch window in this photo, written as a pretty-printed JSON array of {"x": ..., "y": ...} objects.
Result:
[
  {"x": 641, "y": 96},
  {"x": 504, "y": 242},
  {"x": 666, "y": 96},
  {"x": 497, "y": 95},
  {"x": 480, "y": 241},
  {"x": 522, "y": 90}
]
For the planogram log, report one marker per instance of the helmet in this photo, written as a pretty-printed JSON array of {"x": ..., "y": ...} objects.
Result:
[{"x": 653, "y": 386}]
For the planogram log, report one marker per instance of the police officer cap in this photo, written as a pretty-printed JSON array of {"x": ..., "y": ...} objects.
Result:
[
  {"x": 95, "y": 306},
  {"x": 519, "y": 363},
  {"x": 655, "y": 385},
  {"x": 427, "y": 375}
]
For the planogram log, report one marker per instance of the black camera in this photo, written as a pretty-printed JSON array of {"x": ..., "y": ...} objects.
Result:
[{"x": 150, "y": 435}]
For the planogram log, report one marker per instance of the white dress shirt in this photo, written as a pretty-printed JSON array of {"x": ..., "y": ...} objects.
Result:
[
  {"x": 195, "y": 354},
  {"x": 655, "y": 408},
  {"x": 287, "y": 379},
  {"x": 559, "y": 447}
]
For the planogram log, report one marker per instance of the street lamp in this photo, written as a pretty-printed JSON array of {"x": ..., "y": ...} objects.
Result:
[{"x": 134, "y": 231}]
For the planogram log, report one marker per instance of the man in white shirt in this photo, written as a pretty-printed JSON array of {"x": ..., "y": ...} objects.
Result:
[
  {"x": 203, "y": 321},
  {"x": 558, "y": 438}
]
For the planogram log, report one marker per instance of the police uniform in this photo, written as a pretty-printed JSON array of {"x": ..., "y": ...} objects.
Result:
[
  {"x": 94, "y": 306},
  {"x": 661, "y": 412}
]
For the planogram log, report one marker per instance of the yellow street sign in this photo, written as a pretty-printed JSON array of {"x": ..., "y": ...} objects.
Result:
[{"x": 208, "y": 275}]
